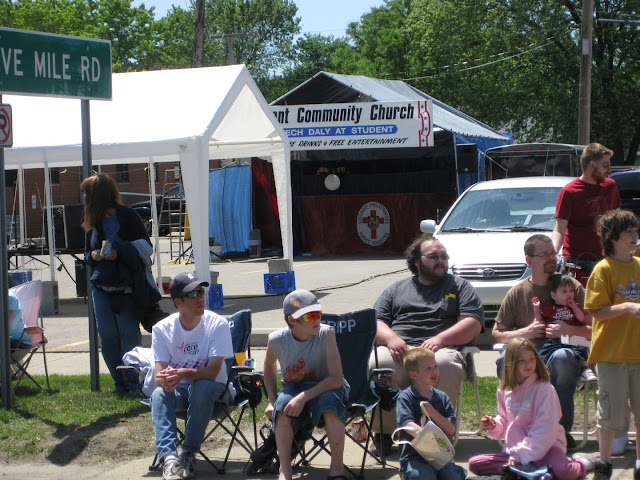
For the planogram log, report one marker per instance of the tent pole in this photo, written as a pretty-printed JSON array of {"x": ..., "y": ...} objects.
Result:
[
  {"x": 155, "y": 221},
  {"x": 455, "y": 164},
  {"x": 50, "y": 226},
  {"x": 23, "y": 220}
]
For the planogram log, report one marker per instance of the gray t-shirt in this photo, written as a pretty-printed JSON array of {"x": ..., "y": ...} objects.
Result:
[
  {"x": 417, "y": 312},
  {"x": 301, "y": 361}
]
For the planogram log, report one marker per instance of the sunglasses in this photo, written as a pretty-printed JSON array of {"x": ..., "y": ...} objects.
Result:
[
  {"x": 194, "y": 294},
  {"x": 311, "y": 316}
]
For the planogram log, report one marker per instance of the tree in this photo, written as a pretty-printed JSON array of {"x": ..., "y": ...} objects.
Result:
[
  {"x": 270, "y": 25},
  {"x": 130, "y": 29},
  {"x": 514, "y": 64}
]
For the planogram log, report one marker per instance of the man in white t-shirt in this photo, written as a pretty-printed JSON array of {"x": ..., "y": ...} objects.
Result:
[{"x": 189, "y": 348}]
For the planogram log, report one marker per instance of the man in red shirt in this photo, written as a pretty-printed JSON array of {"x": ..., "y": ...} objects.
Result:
[{"x": 579, "y": 203}]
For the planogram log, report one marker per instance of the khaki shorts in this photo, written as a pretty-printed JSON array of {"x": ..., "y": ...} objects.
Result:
[{"x": 618, "y": 389}]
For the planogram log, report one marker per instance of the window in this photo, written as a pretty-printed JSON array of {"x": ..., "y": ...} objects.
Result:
[
  {"x": 54, "y": 176},
  {"x": 122, "y": 173}
]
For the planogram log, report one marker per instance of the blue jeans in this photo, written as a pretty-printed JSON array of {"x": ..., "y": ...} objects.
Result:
[
  {"x": 118, "y": 329},
  {"x": 564, "y": 369},
  {"x": 418, "y": 469},
  {"x": 198, "y": 400}
]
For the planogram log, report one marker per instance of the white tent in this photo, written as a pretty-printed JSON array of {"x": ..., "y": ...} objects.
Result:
[{"x": 190, "y": 115}]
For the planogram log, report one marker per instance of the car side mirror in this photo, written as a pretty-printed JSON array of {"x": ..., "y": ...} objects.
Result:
[{"x": 428, "y": 226}]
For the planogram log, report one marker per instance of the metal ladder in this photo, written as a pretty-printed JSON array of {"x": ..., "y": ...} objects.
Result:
[{"x": 172, "y": 216}]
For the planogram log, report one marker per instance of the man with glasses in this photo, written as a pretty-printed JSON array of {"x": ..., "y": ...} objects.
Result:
[
  {"x": 431, "y": 309},
  {"x": 189, "y": 348},
  {"x": 582, "y": 200},
  {"x": 516, "y": 319}
]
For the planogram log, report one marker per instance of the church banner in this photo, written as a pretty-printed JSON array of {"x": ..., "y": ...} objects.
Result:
[{"x": 334, "y": 126}]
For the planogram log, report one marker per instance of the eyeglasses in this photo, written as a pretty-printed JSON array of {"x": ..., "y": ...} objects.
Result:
[
  {"x": 606, "y": 166},
  {"x": 194, "y": 294},
  {"x": 435, "y": 257},
  {"x": 546, "y": 255},
  {"x": 311, "y": 316}
]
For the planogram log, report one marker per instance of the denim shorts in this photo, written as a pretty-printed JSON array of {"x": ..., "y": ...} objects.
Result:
[{"x": 331, "y": 401}]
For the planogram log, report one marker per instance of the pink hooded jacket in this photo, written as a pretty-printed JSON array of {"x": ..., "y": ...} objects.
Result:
[{"x": 528, "y": 421}]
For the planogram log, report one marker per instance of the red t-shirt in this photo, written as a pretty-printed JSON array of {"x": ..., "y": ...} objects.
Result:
[
  {"x": 552, "y": 313},
  {"x": 580, "y": 203}
]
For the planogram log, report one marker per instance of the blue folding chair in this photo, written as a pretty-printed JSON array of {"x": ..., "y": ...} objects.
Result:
[{"x": 355, "y": 336}]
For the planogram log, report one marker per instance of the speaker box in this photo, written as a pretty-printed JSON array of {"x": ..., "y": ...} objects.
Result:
[
  {"x": 67, "y": 222},
  {"x": 467, "y": 158},
  {"x": 73, "y": 231}
]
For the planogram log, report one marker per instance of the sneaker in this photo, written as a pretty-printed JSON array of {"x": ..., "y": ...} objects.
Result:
[
  {"x": 385, "y": 441},
  {"x": 619, "y": 443},
  {"x": 587, "y": 459},
  {"x": 587, "y": 375},
  {"x": 571, "y": 442},
  {"x": 602, "y": 470},
  {"x": 172, "y": 470},
  {"x": 188, "y": 461}
]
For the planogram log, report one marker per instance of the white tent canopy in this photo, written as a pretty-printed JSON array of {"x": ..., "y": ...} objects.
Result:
[{"x": 189, "y": 115}]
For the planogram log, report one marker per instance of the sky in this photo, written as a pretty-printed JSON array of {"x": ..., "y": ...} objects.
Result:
[{"x": 327, "y": 17}]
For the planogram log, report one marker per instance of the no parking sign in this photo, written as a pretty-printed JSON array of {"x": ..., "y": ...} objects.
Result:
[{"x": 6, "y": 130}]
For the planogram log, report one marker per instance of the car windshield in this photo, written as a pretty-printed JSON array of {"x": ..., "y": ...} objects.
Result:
[{"x": 506, "y": 209}]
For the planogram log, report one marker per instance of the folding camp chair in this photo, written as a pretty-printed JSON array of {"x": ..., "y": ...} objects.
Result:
[
  {"x": 30, "y": 297},
  {"x": 248, "y": 386},
  {"x": 355, "y": 336}
]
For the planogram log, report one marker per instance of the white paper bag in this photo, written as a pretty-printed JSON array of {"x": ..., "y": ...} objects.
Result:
[{"x": 431, "y": 443}]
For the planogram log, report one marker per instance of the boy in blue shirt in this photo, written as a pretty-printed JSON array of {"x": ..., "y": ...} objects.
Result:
[{"x": 421, "y": 366}]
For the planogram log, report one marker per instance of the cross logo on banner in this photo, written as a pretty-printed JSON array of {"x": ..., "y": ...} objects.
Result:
[
  {"x": 6, "y": 131},
  {"x": 373, "y": 224}
]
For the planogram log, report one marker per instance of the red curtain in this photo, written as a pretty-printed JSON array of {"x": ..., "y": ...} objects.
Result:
[{"x": 359, "y": 225}]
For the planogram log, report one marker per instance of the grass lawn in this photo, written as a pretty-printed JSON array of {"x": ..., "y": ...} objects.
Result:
[{"x": 72, "y": 417}]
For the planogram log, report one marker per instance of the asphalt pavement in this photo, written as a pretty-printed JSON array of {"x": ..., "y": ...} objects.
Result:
[{"x": 341, "y": 284}]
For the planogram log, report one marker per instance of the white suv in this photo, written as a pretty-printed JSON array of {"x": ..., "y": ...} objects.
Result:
[{"x": 485, "y": 229}]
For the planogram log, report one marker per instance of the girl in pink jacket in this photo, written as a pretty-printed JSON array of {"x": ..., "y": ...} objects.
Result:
[{"x": 528, "y": 419}]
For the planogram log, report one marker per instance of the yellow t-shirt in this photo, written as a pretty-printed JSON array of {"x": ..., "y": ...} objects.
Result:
[{"x": 616, "y": 339}]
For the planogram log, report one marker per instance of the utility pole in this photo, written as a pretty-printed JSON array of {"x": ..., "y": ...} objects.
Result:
[
  {"x": 229, "y": 38},
  {"x": 586, "y": 42},
  {"x": 198, "y": 43}
]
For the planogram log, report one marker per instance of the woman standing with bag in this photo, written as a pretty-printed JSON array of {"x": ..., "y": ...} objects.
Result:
[{"x": 114, "y": 263}]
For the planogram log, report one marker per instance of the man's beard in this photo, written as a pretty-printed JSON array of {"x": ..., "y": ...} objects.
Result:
[{"x": 431, "y": 275}]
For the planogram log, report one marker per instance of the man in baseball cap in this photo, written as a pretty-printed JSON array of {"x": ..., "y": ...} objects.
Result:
[
  {"x": 313, "y": 385},
  {"x": 189, "y": 348},
  {"x": 299, "y": 302},
  {"x": 184, "y": 283}
]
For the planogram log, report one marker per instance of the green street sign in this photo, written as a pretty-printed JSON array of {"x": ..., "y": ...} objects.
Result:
[{"x": 35, "y": 63}]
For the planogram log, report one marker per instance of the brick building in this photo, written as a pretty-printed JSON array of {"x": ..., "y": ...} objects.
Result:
[{"x": 65, "y": 190}]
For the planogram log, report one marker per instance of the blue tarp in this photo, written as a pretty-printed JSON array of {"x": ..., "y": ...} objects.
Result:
[{"x": 230, "y": 207}]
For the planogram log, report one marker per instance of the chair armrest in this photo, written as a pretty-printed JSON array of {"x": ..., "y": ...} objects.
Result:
[
  {"x": 241, "y": 369},
  {"x": 469, "y": 349},
  {"x": 33, "y": 330}
]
